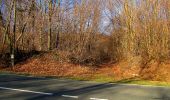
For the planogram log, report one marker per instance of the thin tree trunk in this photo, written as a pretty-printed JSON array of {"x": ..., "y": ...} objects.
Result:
[
  {"x": 42, "y": 24},
  {"x": 50, "y": 25},
  {"x": 58, "y": 31}
]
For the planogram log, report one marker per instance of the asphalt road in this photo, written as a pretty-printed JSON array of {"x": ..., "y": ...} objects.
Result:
[{"x": 15, "y": 87}]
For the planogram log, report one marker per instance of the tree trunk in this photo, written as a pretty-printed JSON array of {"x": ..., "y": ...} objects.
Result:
[
  {"x": 58, "y": 31},
  {"x": 50, "y": 25}
]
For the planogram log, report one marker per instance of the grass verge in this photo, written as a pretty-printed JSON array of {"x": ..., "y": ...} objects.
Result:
[{"x": 98, "y": 78}]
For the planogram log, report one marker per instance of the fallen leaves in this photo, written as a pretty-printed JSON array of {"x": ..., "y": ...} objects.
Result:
[{"x": 46, "y": 65}]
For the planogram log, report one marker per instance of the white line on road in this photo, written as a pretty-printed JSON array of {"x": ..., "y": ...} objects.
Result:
[
  {"x": 97, "y": 99},
  {"x": 69, "y": 96},
  {"x": 28, "y": 91}
]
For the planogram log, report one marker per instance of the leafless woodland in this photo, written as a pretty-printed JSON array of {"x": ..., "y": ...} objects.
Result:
[{"x": 87, "y": 31}]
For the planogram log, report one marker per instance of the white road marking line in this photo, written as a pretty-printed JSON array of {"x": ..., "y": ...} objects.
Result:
[
  {"x": 97, "y": 99},
  {"x": 28, "y": 91},
  {"x": 69, "y": 96}
]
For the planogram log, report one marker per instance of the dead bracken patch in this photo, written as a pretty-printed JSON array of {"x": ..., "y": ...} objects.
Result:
[
  {"x": 47, "y": 65},
  {"x": 157, "y": 71}
]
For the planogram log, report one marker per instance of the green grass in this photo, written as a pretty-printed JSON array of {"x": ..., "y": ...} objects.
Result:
[
  {"x": 106, "y": 79},
  {"x": 134, "y": 80},
  {"x": 146, "y": 82},
  {"x": 102, "y": 78}
]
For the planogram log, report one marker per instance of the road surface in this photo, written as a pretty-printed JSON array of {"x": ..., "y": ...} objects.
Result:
[{"x": 15, "y": 87}]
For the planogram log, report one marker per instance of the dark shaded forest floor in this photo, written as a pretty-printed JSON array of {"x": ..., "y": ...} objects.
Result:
[{"x": 46, "y": 64}]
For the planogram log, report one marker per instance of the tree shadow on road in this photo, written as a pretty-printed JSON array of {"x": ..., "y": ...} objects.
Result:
[
  {"x": 163, "y": 95},
  {"x": 49, "y": 85},
  {"x": 99, "y": 88}
]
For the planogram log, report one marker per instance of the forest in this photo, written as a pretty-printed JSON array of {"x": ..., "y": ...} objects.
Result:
[{"x": 117, "y": 38}]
